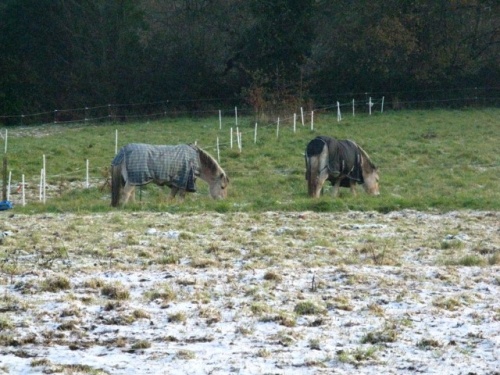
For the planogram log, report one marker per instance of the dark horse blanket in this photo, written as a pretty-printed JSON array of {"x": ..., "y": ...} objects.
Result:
[
  {"x": 175, "y": 166},
  {"x": 344, "y": 158}
]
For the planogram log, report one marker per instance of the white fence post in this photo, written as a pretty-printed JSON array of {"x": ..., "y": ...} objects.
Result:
[
  {"x": 8, "y": 186},
  {"x": 22, "y": 191},
  {"x": 218, "y": 150},
  {"x": 44, "y": 176},
  {"x": 87, "y": 173}
]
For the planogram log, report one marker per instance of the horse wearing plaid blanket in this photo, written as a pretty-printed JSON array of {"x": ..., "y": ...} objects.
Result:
[
  {"x": 176, "y": 166},
  {"x": 343, "y": 163}
]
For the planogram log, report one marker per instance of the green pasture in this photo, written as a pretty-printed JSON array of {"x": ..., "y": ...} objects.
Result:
[{"x": 434, "y": 159}]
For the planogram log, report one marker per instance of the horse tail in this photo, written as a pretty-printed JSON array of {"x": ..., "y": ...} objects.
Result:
[
  {"x": 316, "y": 157},
  {"x": 117, "y": 183}
]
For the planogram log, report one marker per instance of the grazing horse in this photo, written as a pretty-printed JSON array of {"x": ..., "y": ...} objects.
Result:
[
  {"x": 176, "y": 166},
  {"x": 343, "y": 163}
]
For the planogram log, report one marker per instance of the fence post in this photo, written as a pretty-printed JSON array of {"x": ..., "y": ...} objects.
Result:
[
  {"x": 87, "y": 172},
  {"x": 22, "y": 189},
  {"x": 44, "y": 176},
  {"x": 339, "y": 115},
  {"x": 8, "y": 185},
  {"x": 4, "y": 177},
  {"x": 218, "y": 150}
]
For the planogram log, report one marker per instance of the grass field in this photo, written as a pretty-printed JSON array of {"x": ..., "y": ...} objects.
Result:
[
  {"x": 257, "y": 283},
  {"x": 435, "y": 159}
]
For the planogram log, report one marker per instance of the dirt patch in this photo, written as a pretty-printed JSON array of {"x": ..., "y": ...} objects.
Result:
[{"x": 309, "y": 293}]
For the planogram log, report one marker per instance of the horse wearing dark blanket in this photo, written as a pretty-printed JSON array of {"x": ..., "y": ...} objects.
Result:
[
  {"x": 343, "y": 163},
  {"x": 176, "y": 166}
]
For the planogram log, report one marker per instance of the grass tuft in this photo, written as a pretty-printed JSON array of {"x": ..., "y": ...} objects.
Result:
[
  {"x": 308, "y": 308},
  {"x": 115, "y": 291}
]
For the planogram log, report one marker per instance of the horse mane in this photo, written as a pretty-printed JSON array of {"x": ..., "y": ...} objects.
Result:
[
  {"x": 367, "y": 158},
  {"x": 208, "y": 161}
]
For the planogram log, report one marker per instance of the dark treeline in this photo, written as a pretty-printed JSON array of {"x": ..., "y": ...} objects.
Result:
[{"x": 266, "y": 54}]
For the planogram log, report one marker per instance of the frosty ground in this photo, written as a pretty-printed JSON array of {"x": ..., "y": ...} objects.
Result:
[{"x": 250, "y": 293}]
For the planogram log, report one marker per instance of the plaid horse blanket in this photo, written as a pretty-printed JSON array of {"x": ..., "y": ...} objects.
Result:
[
  {"x": 344, "y": 159},
  {"x": 165, "y": 165}
]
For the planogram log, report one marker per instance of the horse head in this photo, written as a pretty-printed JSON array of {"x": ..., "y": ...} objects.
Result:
[
  {"x": 370, "y": 174},
  {"x": 213, "y": 174},
  {"x": 218, "y": 189}
]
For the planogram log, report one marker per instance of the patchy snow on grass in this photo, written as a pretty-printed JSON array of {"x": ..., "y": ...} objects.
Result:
[{"x": 270, "y": 293}]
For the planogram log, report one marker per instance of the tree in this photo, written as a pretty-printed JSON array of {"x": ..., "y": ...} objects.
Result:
[{"x": 399, "y": 46}]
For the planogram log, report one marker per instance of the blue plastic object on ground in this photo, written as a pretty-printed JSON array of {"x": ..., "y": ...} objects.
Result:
[{"x": 5, "y": 205}]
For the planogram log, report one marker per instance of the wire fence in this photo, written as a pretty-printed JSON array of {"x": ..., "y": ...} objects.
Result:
[
  {"x": 361, "y": 102},
  {"x": 301, "y": 118}
]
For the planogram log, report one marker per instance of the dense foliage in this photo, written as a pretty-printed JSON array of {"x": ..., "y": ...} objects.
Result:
[{"x": 68, "y": 53}]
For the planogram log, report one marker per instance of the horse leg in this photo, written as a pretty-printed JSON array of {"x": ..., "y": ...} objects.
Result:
[
  {"x": 173, "y": 192},
  {"x": 321, "y": 179},
  {"x": 352, "y": 186},
  {"x": 127, "y": 192},
  {"x": 336, "y": 188}
]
